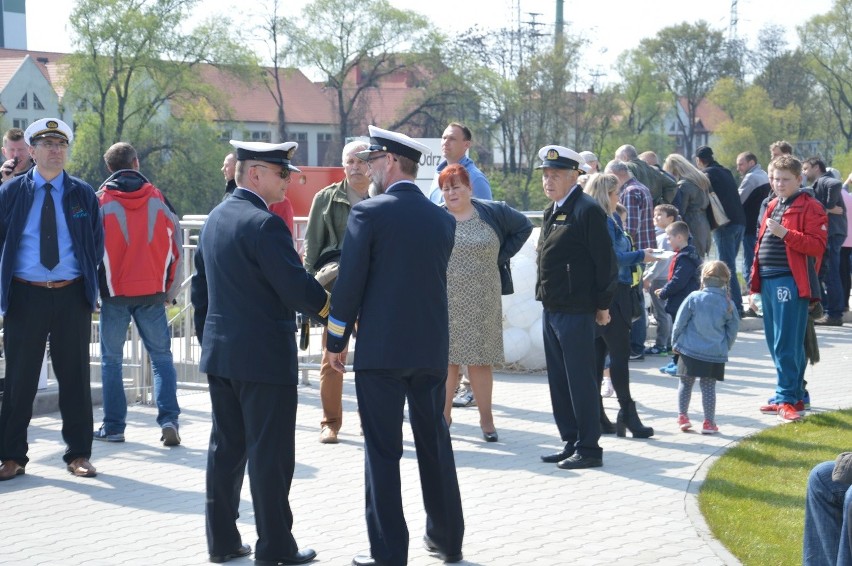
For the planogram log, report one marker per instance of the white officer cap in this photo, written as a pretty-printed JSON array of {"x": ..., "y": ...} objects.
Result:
[
  {"x": 277, "y": 153},
  {"x": 393, "y": 142},
  {"x": 48, "y": 128},
  {"x": 559, "y": 157}
]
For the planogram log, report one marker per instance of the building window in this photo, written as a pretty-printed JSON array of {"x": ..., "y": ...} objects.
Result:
[
  {"x": 225, "y": 135},
  {"x": 264, "y": 136},
  {"x": 19, "y": 123},
  {"x": 37, "y": 105},
  {"x": 22, "y": 105},
  {"x": 325, "y": 155},
  {"x": 303, "y": 155}
]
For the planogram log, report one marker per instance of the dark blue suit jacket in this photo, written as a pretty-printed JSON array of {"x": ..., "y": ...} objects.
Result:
[
  {"x": 248, "y": 283},
  {"x": 393, "y": 279}
]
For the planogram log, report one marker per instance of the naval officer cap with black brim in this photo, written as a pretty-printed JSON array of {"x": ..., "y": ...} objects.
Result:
[
  {"x": 48, "y": 128},
  {"x": 277, "y": 153},
  {"x": 558, "y": 157},
  {"x": 393, "y": 142}
]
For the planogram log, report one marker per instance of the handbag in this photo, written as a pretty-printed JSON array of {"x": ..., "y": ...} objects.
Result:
[
  {"x": 637, "y": 295},
  {"x": 637, "y": 302},
  {"x": 717, "y": 216}
]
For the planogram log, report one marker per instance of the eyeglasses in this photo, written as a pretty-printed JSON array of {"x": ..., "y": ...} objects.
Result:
[
  {"x": 283, "y": 173},
  {"x": 49, "y": 146},
  {"x": 372, "y": 158}
]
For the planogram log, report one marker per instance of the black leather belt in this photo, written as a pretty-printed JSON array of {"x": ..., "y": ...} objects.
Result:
[{"x": 48, "y": 284}]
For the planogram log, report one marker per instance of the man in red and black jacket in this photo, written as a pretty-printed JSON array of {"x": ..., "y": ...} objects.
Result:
[{"x": 140, "y": 274}]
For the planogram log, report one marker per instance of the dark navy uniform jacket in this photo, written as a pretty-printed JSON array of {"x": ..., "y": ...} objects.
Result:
[
  {"x": 249, "y": 282},
  {"x": 393, "y": 279}
]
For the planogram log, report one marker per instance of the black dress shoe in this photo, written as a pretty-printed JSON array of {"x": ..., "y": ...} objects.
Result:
[
  {"x": 301, "y": 557},
  {"x": 431, "y": 547},
  {"x": 558, "y": 456},
  {"x": 244, "y": 550},
  {"x": 490, "y": 436},
  {"x": 364, "y": 560},
  {"x": 578, "y": 462}
]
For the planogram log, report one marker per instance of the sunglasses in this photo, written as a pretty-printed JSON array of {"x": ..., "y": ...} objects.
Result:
[{"x": 283, "y": 173}]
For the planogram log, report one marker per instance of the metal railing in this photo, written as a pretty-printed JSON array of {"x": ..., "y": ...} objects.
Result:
[{"x": 186, "y": 351}]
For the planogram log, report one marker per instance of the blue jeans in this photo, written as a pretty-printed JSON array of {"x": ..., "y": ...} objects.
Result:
[
  {"x": 826, "y": 541},
  {"x": 154, "y": 330},
  {"x": 728, "y": 240},
  {"x": 785, "y": 317},
  {"x": 749, "y": 241},
  {"x": 832, "y": 298},
  {"x": 664, "y": 320}
]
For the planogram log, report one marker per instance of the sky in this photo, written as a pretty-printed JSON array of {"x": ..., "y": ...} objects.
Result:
[{"x": 612, "y": 26}]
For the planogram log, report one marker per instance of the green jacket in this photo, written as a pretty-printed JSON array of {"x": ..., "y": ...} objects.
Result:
[
  {"x": 663, "y": 188},
  {"x": 326, "y": 223}
]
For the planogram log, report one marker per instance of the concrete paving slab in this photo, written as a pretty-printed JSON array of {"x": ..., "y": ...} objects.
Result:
[{"x": 147, "y": 504}]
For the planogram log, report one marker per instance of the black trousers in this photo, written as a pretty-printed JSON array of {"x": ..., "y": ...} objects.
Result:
[
  {"x": 381, "y": 398},
  {"x": 614, "y": 338},
  {"x": 33, "y": 314},
  {"x": 254, "y": 422},
  {"x": 569, "y": 350}
]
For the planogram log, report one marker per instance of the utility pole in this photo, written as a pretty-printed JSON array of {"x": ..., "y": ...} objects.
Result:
[
  {"x": 560, "y": 22},
  {"x": 732, "y": 25}
]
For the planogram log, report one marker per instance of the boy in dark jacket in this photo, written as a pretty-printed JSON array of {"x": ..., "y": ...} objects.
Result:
[{"x": 683, "y": 276}]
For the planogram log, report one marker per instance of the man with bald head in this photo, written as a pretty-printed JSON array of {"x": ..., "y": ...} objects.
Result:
[{"x": 662, "y": 187}]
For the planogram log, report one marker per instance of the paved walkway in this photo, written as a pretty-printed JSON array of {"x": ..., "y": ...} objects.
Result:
[{"x": 147, "y": 504}]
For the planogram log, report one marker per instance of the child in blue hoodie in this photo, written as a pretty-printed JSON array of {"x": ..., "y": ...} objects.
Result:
[
  {"x": 705, "y": 328},
  {"x": 683, "y": 276}
]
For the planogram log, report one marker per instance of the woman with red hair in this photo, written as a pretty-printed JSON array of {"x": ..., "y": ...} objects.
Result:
[{"x": 488, "y": 234}]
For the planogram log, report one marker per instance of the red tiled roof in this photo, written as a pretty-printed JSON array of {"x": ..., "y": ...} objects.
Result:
[
  {"x": 53, "y": 70},
  {"x": 305, "y": 102},
  {"x": 708, "y": 114},
  {"x": 8, "y": 68}
]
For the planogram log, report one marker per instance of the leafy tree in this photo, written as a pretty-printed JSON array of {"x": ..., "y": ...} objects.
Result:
[
  {"x": 782, "y": 73},
  {"x": 132, "y": 67},
  {"x": 827, "y": 41},
  {"x": 755, "y": 122},
  {"x": 642, "y": 91},
  {"x": 690, "y": 58},
  {"x": 355, "y": 44},
  {"x": 273, "y": 30}
]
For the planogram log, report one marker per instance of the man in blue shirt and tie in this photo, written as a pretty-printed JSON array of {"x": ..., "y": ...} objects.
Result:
[{"x": 51, "y": 242}]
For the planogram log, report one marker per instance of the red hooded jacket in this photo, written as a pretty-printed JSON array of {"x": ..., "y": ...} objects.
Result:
[
  {"x": 807, "y": 233},
  {"x": 142, "y": 241}
]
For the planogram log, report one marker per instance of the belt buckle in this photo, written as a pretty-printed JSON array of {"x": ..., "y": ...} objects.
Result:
[{"x": 49, "y": 284}]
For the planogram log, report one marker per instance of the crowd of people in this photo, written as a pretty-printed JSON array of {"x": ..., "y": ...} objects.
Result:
[{"x": 374, "y": 241}]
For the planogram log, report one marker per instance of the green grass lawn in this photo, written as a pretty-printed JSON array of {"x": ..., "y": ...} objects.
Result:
[{"x": 754, "y": 495}]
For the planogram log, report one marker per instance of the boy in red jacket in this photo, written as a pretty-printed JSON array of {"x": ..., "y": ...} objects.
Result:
[{"x": 790, "y": 244}]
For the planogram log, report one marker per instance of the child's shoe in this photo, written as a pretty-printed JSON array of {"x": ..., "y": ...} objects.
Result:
[
  {"x": 709, "y": 427},
  {"x": 656, "y": 351},
  {"x": 683, "y": 423},
  {"x": 774, "y": 408},
  {"x": 606, "y": 387},
  {"x": 787, "y": 413},
  {"x": 670, "y": 369}
]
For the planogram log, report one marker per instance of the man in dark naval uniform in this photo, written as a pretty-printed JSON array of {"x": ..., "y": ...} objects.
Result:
[
  {"x": 393, "y": 280},
  {"x": 577, "y": 277},
  {"x": 249, "y": 282}
]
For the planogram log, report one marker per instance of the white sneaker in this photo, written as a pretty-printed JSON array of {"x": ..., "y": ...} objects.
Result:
[
  {"x": 464, "y": 398},
  {"x": 606, "y": 388}
]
